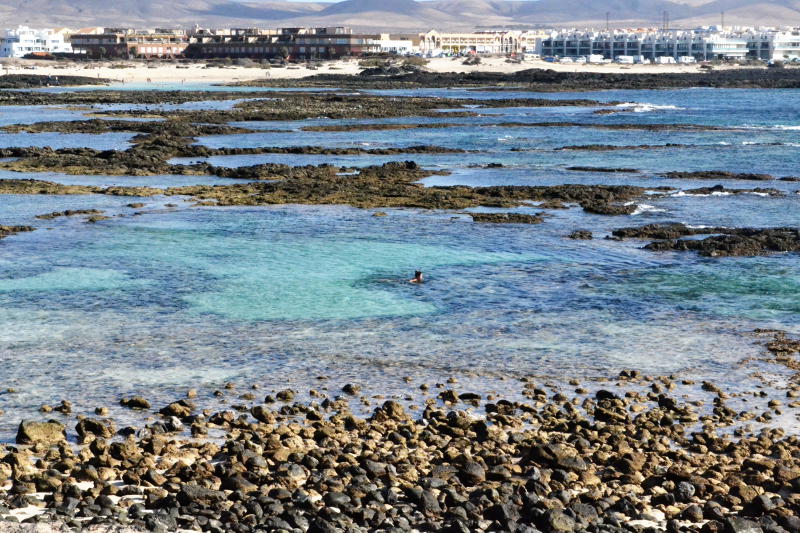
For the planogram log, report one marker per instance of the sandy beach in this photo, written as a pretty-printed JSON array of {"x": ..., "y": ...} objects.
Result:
[{"x": 136, "y": 72}]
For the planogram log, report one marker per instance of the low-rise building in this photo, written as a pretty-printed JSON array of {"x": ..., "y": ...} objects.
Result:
[
  {"x": 291, "y": 43},
  {"x": 702, "y": 44},
  {"x": 28, "y": 42},
  {"x": 123, "y": 43},
  {"x": 436, "y": 43}
]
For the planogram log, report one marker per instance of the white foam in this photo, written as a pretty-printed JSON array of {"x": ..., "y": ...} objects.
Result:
[
  {"x": 642, "y": 107},
  {"x": 680, "y": 194},
  {"x": 646, "y": 208}
]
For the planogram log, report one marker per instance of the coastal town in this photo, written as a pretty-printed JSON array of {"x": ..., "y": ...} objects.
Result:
[
  {"x": 632, "y": 45},
  {"x": 370, "y": 266}
]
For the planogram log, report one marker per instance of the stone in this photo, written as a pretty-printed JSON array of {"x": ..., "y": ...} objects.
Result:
[
  {"x": 46, "y": 433},
  {"x": 94, "y": 427},
  {"x": 735, "y": 524},
  {"x": 472, "y": 473},
  {"x": 135, "y": 402},
  {"x": 191, "y": 493}
]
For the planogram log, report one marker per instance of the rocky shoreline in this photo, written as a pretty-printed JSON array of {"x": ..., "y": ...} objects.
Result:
[
  {"x": 549, "y": 80},
  {"x": 622, "y": 453}
]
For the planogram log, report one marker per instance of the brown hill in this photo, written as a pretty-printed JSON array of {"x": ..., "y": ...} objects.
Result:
[{"x": 398, "y": 15}]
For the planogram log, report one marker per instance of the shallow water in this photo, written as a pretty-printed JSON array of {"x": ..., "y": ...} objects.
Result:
[{"x": 180, "y": 297}]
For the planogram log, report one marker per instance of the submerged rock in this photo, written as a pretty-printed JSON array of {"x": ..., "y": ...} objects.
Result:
[
  {"x": 6, "y": 231},
  {"x": 506, "y": 218}
]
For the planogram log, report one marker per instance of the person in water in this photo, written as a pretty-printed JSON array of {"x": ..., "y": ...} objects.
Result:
[{"x": 417, "y": 277}]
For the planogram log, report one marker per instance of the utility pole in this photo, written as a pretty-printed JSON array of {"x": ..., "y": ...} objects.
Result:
[
  {"x": 722, "y": 20},
  {"x": 666, "y": 20},
  {"x": 608, "y": 20}
]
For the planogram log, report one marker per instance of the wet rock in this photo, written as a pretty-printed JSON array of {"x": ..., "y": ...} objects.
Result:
[
  {"x": 506, "y": 218},
  {"x": 605, "y": 208},
  {"x": 70, "y": 213},
  {"x": 135, "y": 402},
  {"x": 179, "y": 409},
  {"x": 6, "y": 231},
  {"x": 46, "y": 433},
  {"x": 351, "y": 388},
  {"x": 286, "y": 395},
  {"x": 581, "y": 234},
  {"x": 96, "y": 428},
  {"x": 718, "y": 175}
]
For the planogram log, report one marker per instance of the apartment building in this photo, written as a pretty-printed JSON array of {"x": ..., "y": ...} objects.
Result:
[
  {"x": 28, "y": 42},
  {"x": 649, "y": 44}
]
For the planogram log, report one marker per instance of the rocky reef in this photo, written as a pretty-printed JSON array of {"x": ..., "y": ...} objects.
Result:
[
  {"x": 507, "y": 218},
  {"x": 550, "y": 80},
  {"x": 27, "y": 81},
  {"x": 7, "y": 231},
  {"x": 721, "y": 242}
]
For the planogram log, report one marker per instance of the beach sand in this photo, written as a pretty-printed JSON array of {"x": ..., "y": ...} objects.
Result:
[{"x": 139, "y": 73}]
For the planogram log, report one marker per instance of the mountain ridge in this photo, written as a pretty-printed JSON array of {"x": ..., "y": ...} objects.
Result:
[{"x": 397, "y": 15}]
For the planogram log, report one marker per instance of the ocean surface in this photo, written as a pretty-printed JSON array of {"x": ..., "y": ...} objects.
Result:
[{"x": 172, "y": 297}]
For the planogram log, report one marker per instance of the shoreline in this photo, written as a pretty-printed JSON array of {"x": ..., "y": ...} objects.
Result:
[
  {"x": 194, "y": 73},
  {"x": 625, "y": 452}
]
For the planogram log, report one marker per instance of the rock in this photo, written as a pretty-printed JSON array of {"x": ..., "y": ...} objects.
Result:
[
  {"x": 191, "y": 493},
  {"x": 506, "y": 218},
  {"x": 581, "y": 234},
  {"x": 684, "y": 491},
  {"x": 135, "y": 402},
  {"x": 735, "y": 524},
  {"x": 558, "y": 522},
  {"x": 46, "y": 433},
  {"x": 693, "y": 513},
  {"x": 472, "y": 473},
  {"x": 351, "y": 388},
  {"x": 99, "y": 428},
  {"x": 263, "y": 414},
  {"x": 286, "y": 395},
  {"x": 180, "y": 409}
]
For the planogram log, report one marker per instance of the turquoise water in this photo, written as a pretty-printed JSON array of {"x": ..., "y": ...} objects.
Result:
[{"x": 159, "y": 299}]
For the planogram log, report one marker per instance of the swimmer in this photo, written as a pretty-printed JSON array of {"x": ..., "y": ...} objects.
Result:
[{"x": 417, "y": 277}]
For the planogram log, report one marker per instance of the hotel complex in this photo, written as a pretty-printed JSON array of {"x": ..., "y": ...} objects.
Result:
[
  {"x": 303, "y": 44},
  {"x": 701, "y": 44}
]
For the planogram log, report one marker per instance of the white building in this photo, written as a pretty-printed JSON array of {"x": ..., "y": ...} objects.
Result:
[
  {"x": 774, "y": 45},
  {"x": 25, "y": 41},
  {"x": 700, "y": 44},
  {"x": 397, "y": 45},
  {"x": 436, "y": 43}
]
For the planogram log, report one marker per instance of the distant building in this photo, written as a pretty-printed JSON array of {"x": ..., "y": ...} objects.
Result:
[
  {"x": 123, "y": 43},
  {"x": 505, "y": 42},
  {"x": 25, "y": 41},
  {"x": 774, "y": 45},
  {"x": 293, "y": 43},
  {"x": 651, "y": 44}
]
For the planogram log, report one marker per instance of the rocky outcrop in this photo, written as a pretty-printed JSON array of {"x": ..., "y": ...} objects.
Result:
[
  {"x": 718, "y": 175},
  {"x": 6, "y": 231},
  {"x": 739, "y": 242},
  {"x": 69, "y": 213},
  {"x": 506, "y": 218},
  {"x": 722, "y": 242}
]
